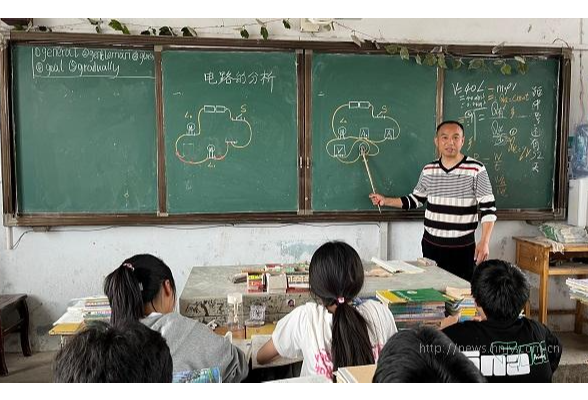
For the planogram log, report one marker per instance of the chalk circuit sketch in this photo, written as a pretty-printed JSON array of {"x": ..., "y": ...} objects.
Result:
[
  {"x": 358, "y": 128},
  {"x": 213, "y": 135}
]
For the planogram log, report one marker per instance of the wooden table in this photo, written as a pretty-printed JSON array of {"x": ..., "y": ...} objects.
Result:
[
  {"x": 15, "y": 304},
  {"x": 534, "y": 255}
]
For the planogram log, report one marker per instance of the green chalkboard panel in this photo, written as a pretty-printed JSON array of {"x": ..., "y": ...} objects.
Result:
[
  {"x": 378, "y": 103},
  {"x": 85, "y": 137},
  {"x": 214, "y": 129},
  {"x": 231, "y": 131},
  {"x": 511, "y": 126}
]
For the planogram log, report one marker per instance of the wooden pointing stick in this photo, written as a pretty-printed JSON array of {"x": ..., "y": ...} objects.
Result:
[{"x": 369, "y": 176}]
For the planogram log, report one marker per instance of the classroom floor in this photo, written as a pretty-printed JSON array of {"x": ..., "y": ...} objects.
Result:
[
  {"x": 572, "y": 368},
  {"x": 36, "y": 368}
]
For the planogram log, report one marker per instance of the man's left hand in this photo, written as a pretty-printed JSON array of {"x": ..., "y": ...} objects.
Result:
[{"x": 482, "y": 252}]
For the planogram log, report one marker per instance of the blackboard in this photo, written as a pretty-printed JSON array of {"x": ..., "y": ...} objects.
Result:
[
  {"x": 511, "y": 126},
  {"x": 84, "y": 129},
  {"x": 123, "y": 129},
  {"x": 379, "y": 103},
  {"x": 231, "y": 131}
]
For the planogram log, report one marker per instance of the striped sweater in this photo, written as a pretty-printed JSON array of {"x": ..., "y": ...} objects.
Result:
[{"x": 452, "y": 197}]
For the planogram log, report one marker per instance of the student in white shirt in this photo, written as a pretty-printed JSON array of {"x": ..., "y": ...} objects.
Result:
[{"x": 340, "y": 330}]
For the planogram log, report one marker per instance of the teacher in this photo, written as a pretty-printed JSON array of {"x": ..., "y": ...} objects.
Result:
[{"x": 453, "y": 187}]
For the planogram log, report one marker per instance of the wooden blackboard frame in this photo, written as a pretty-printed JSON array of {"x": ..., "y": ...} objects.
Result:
[{"x": 304, "y": 51}]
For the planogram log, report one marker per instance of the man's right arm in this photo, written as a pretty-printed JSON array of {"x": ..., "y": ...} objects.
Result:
[
  {"x": 416, "y": 199},
  {"x": 380, "y": 200}
]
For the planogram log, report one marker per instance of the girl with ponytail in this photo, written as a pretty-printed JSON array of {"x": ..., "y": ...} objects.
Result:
[
  {"x": 338, "y": 330},
  {"x": 143, "y": 289}
]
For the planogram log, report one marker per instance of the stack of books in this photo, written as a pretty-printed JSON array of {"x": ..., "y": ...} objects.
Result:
[
  {"x": 578, "y": 289},
  {"x": 461, "y": 301},
  {"x": 297, "y": 282},
  {"x": 298, "y": 278},
  {"x": 415, "y": 307},
  {"x": 96, "y": 309},
  {"x": 275, "y": 278},
  {"x": 255, "y": 282}
]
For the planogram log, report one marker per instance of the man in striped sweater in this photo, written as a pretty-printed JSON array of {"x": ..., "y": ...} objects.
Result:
[{"x": 453, "y": 187}]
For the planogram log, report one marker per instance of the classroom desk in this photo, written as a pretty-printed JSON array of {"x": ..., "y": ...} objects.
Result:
[
  {"x": 251, "y": 344},
  {"x": 204, "y": 297},
  {"x": 65, "y": 331},
  {"x": 534, "y": 255}
]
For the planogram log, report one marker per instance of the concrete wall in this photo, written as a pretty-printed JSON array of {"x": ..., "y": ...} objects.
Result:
[{"x": 53, "y": 267}]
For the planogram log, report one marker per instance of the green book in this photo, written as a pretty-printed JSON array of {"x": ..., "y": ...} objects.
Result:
[{"x": 427, "y": 295}]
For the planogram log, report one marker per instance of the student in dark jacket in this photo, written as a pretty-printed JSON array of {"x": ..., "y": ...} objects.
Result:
[{"x": 504, "y": 346}]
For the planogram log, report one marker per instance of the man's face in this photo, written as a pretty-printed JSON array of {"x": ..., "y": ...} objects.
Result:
[{"x": 449, "y": 140}]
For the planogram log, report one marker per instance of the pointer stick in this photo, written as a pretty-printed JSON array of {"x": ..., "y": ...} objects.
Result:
[{"x": 370, "y": 176}]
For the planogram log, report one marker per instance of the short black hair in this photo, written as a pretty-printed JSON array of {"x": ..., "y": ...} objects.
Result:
[
  {"x": 102, "y": 353},
  {"x": 450, "y": 122},
  {"x": 501, "y": 289},
  {"x": 424, "y": 355}
]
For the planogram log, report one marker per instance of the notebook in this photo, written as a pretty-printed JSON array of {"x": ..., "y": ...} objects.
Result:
[{"x": 396, "y": 266}]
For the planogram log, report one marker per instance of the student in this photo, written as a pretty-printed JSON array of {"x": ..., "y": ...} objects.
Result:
[
  {"x": 424, "y": 355},
  {"x": 337, "y": 332},
  {"x": 102, "y": 353},
  {"x": 504, "y": 346},
  {"x": 143, "y": 288},
  {"x": 453, "y": 187}
]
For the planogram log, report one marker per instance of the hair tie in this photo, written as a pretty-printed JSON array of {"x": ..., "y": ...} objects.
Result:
[
  {"x": 129, "y": 266},
  {"x": 340, "y": 300}
]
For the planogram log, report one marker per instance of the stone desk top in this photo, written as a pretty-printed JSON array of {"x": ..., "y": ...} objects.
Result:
[{"x": 205, "y": 294}]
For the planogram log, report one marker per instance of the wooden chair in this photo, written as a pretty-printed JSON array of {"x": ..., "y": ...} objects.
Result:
[{"x": 9, "y": 303}]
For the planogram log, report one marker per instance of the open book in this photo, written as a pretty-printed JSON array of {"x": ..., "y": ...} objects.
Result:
[{"x": 396, "y": 266}]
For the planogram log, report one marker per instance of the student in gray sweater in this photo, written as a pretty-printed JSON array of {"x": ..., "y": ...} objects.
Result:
[{"x": 143, "y": 288}]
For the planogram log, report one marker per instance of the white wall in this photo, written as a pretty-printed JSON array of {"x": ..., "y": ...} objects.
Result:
[{"x": 56, "y": 266}]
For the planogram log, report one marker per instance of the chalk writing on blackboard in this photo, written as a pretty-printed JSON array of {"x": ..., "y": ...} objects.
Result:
[
  {"x": 262, "y": 78},
  {"x": 358, "y": 128},
  {"x": 213, "y": 135},
  {"x": 75, "y": 62},
  {"x": 499, "y": 112}
]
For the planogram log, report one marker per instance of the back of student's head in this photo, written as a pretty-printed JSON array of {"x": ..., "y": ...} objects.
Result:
[
  {"x": 136, "y": 282},
  {"x": 500, "y": 288},
  {"x": 424, "y": 355},
  {"x": 336, "y": 277},
  {"x": 130, "y": 352}
]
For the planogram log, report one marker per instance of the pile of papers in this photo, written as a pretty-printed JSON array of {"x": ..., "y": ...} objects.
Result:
[
  {"x": 564, "y": 233},
  {"x": 578, "y": 289}
]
